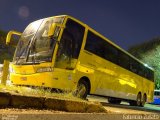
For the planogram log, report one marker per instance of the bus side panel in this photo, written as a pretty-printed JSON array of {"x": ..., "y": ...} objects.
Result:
[
  {"x": 86, "y": 68},
  {"x": 127, "y": 84},
  {"x": 115, "y": 81},
  {"x": 106, "y": 75},
  {"x": 148, "y": 88}
]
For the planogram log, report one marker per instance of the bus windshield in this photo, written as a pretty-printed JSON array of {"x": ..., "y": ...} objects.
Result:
[{"x": 34, "y": 45}]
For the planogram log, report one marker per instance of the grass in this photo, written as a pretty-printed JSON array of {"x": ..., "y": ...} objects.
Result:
[
  {"x": 64, "y": 101},
  {"x": 38, "y": 92}
]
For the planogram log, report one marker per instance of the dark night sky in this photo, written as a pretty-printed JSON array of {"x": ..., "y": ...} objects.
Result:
[{"x": 125, "y": 22}]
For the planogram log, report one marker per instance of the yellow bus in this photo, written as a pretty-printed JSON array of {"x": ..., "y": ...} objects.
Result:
[{"x": 63, "y": 53}]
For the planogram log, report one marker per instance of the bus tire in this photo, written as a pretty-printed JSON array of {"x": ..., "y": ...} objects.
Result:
[
  {"x": 137, "y": 102},
  {"x": 82, "y": 89},
  {"x": 143, "y": 100},
  {"x": 139, "y": 99}
]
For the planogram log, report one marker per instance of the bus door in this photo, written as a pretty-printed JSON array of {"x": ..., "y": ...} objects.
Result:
[{"x": 68, "y": 52}]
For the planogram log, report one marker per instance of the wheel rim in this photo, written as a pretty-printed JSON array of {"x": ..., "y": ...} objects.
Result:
[
  {"x": 139, "y": 99},
  {"x": 81, "y": 90},
  {"x": 144, "y": 100}
]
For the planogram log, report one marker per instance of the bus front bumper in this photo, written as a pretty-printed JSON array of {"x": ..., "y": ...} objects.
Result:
[{"x": 37, "y": 79}]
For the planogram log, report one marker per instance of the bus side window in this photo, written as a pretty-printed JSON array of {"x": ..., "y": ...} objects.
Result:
[
  {"x": 141, "y": 70},
  {"x": 134, "y": 66},
  {"x": 100, "y": 47},
  {"x": 110, "y": 52},
  {"x": 70, "y": 45},
  {"x": 77, "y": 32},
  {"x": 64, "y": 53},
  {"x": 123, "y": 60}
]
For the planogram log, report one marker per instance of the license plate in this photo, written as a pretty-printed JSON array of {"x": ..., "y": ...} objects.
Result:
[{"x": 24, "y": 78}]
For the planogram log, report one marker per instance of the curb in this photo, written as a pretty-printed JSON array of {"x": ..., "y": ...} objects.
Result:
[
  {"x": 5, "y": 98},
  {"x": 21, "y": 101}
]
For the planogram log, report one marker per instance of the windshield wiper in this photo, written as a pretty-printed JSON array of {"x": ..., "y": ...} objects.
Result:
[{"x": 31, "y": 50}]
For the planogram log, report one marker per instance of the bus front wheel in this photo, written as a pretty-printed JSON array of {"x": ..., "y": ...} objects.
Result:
[{"x": 82, "y": 89}]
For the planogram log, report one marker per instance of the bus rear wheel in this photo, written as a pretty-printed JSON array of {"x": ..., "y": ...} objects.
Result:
[
  {"x": 137, "y": 102},
  {"x": 82, "y": 89},
  {"x": 144, "y": 100}
]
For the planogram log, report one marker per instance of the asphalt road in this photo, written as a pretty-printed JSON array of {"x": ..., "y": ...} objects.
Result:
[{"x": 124, "y": 107}]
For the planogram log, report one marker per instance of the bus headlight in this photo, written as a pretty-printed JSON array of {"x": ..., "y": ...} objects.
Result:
[
  {"x": 11, "y": 70},
  {"x": 44, "y": 69}
]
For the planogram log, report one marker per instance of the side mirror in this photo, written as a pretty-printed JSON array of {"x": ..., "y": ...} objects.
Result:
[
  {"x": 53, "y": 28},
  {"x": 9, "y": 35}
]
